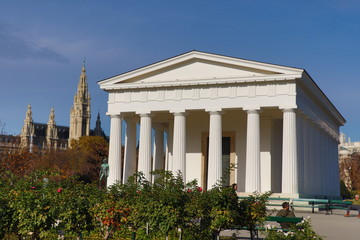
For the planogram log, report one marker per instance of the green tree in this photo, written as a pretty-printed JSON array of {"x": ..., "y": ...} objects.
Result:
[
  {"x": 31, "y": 203},
  {"x": 253, "y": 211},
  {"x": 86, "y": 155},
  {"x": 73, "y": 201},
  {"x": 5, "y": 210}
]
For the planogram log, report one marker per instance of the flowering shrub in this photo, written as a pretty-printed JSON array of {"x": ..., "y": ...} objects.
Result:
[
  {"x": 168, "y": 208},
  {"x": 302, "y": 231},
  {"x": 253, "y": 211}
]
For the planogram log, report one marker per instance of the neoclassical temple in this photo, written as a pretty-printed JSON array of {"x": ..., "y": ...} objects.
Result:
[{"x": 265, "y": 127}]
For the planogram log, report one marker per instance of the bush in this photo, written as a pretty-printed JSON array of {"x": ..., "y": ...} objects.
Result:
[{"x": 302, "y": 231}]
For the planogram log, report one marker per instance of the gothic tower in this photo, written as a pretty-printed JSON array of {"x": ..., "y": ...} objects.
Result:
[
  {"x": 28, "y": 130},
  {"x": 51, "y": 131},
  {"x": 80, "y": 111}
]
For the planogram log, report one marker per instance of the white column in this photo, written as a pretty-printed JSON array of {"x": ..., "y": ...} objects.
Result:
[
  {"x": 328, "y": 152},
  {"x": 316, "y": 160},
  {"x": 289, "y": 156},
  {"x": 144, "y": 163},
  {"x": 312, "y": 150},
  {"x": 306, "y": 156},
  {"x": 252, "y": 178},
  {"x": 114, "y": 151},
  {"x": 300, "y": 151},
  {"x": 130, "y": 149},
  {"x": 322, "y": 162},
  {"x": 158, "y": 158},
  {"x": 335, "y": 163},
  {"x": 215, "y": 149},
  {"x": 266, "y": 158},
  {"x": 179, "y": 144},
  {"x": 169, "y": 146}
]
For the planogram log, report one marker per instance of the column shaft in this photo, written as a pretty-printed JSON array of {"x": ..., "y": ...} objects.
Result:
[
  {"x": 215, "y": 149},
  {"x": 335, "y": 164},
  {"x": 289, "y": 156},
  {"x": 179, "y": 144},
  {"x": 252, "y": 180},
  {"x": 114, "y": 151},
  {"x": 300, "y": 151},
  {"x": 144, "y": 164},
  {"x": 169, "y": 146},
  {"x": 130, "y": 149},
  {"x": 306, "y": 156}
]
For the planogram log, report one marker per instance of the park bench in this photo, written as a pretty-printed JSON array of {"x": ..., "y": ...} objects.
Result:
[
  {"x": 338, "y": 204},
  {"x": 274, "y": 201},
  {"x": 321, "y": 204}
]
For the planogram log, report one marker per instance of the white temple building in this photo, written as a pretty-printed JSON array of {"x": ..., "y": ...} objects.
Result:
[
  {"x": 347, "y": 147},
  {"x": 206, "y": 112}
]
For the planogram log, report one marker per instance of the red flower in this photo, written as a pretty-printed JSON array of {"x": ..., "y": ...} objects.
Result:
[
  {"x": 59, "y": 190},
  {"x": 199, "y": 189},
  {"x": 189, "y": 190},
  {"x": 33, "y": 187}
]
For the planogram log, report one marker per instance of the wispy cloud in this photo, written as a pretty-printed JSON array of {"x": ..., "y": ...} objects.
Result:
[{"x": 14, "y": 47}]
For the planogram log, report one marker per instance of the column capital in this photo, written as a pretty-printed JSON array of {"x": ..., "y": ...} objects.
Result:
[
  {"x": 114, "y": 115},
  {"x": 183, "y": 111},
  {"x": 215, "y": 112},
  {"x": 144, "y": 112},
  {"x": 288, "y": 108},
  {"x": 179, "y": 114},
  {"x": 251, "y": 108},
  {"x": 213, "y": 109}
]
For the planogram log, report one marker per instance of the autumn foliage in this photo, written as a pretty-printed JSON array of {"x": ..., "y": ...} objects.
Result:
[
  {"x": 83, "y": 159},
  {"x": 350, "y": 171}
]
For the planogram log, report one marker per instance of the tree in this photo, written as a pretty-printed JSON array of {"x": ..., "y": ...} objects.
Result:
[
  {"x": 86, "y": 156},
  {"x": 73, "y": 201},
  {"x": 253, "y": 211},
  {"x": 19, "y": 162},
  {"x": 31, "y": 202},
  {"x": 350, "y": 171}
]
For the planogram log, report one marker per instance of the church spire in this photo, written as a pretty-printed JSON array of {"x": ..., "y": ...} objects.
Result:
[
  {"x": 80, "y": 111},
  {"x": 51, "y": 130},
  {"x": 28, "y": 129},
  {"x": 52, "y": 117}
]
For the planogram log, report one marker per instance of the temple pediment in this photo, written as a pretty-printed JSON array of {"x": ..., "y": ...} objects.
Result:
[{"x": 197, "y": 67}]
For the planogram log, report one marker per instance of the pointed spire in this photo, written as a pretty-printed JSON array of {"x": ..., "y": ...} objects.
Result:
[
  {"x": 83, "y": 70},
  {"x": 51, "y": 131},
  {"x": 52, "y": 117},
  {"x": 28, "y": 129},
  {"x": 80, "y": 110},
  {"x": 28, "y": 117}
]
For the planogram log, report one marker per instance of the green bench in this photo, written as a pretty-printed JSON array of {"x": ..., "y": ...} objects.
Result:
[
  {"x": 272, "y": 201},
  {"x": 338, "y": 204},
  {"x": 312, "y": 203}
]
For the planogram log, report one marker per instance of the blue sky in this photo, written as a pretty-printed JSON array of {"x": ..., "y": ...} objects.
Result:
[{"x": 43, "y": 44}]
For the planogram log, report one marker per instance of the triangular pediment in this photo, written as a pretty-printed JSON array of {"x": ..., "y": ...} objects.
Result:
[{"x": 196, "y": 66}]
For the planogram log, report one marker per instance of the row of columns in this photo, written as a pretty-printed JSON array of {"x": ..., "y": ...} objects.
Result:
[
  {"x": 306, "y": 151},
  {"x": 317, "y": 159},
  {"x": 176, "y": 141}
]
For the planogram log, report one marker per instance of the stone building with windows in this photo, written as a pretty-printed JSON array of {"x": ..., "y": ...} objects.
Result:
[
  {"x": 201, "y": 113},
  {"x": 53, "y": 136}
]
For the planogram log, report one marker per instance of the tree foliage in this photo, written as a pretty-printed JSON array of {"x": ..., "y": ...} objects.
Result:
[{"x": 350, "y": 171}]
